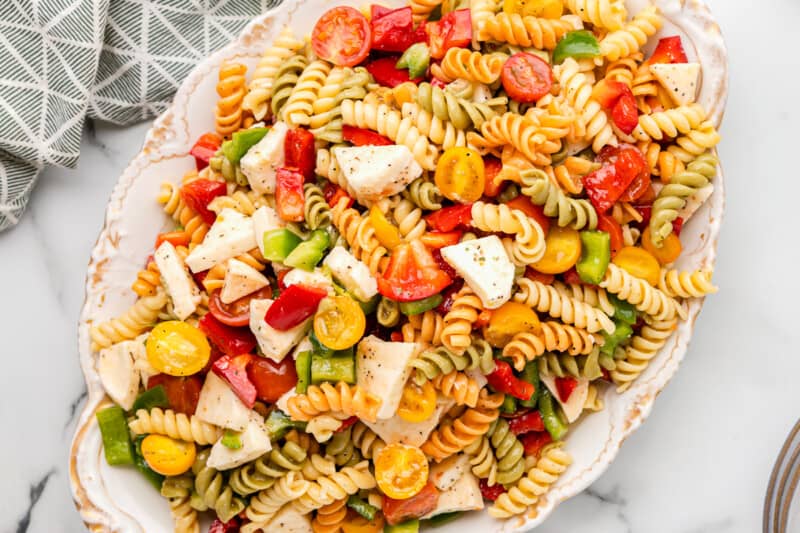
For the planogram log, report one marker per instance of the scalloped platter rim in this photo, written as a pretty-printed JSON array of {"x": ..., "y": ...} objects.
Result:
[{"x": 111, "y": 499}]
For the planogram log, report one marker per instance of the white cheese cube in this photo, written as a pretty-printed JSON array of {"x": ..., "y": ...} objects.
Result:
[
  {"x": 140, "y": 361},
  {"x": 240, "y": 280},
  {"x": 177, "y": 281},
  {"x": 115, "y": 365},
  {"x": 374, "y": 172},
  {"x": 383, "y": 368},
  {"x": 395, "y": 429},
  {"x": 679, "y": 79},
  {"x": 262, "y": 161},
  {"x": 464, "y": 495},
  {"x": 231, "y": 235},
  {"x": 273, "y": 343},
  {"x": 315, "y": 278},
  {"x": 353, "y": 274},
  {"x": 485, "y": 267},
  {"x": 289, "y": 520},
  {"x": 283, "y": 401},
  {"x": 577, "y": 399},
  {"x": 303, "y": 346},
  {"x": 219, "y": 405},
  {"x": 445, "y": 474},
  {"x": 255, "y": 443},
  {"x": 695, "y": 202},
  {"x": 265, "y": 219}
]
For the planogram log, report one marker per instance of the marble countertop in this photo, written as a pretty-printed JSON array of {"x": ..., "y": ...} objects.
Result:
[{"x": 700, "y": 463}]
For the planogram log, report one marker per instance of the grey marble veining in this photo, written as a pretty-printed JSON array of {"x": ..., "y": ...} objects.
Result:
[{"x": 700, "y": 464}]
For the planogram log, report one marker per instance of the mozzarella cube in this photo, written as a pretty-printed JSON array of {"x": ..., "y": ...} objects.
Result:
[
  {"x": 464, "y": 495},
  {"x": 290, "y": 520},
  {"x": 219, "y": 405},
  {"x": 485, "y": 267},
  {"x": 382, "y": 368},
  {"x": 140, "y": 361},
  {"x": 353, "y": 274},
  {"x": 573, "y": 407},
  {"x": 283, "y": 401},
  {"x": 265, "y": 219},
  {"x": 261, "y": 162},
  {"x": 240, "y": 280},
  {"x": 679, "y": 79},
  {"x": 445, "y": 474},
  {"x": 303, "y": 346},
  {"x": 395, "y": 429},
  {"x": 255, "y": 443},
  {"x": 315, "y": 278},
  {"x": 179, "y": 284},
  {"x": 119, "y": 377},
  {"x": 274, "y": 344},
  {"x": 695, "y": 202},
  {"x": 231, "y": 235},
  {"x": 374, "y": 172}
]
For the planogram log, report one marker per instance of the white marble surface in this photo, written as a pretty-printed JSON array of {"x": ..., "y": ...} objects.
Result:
[{"x": 699, "y": 464}]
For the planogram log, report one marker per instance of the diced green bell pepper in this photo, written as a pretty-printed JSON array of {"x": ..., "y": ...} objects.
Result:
[
  {"x": 150, "y": 475},
  {"x": 416, "y": 59},
  {"x": 279, "y": 243},
  {"x": 624, "y": 311},
  {"x": 116, "y": 437},
  {"x": 356, "y": 503},
  {"x": 335, "y": 369},
  {"x": 622, "y": 331},
  {"x": 595, "y": 257},
  {"x": 241, "y": 142},
  {"x": 309, "y": 253},
  {"x": 418, "y": 307},
  {"x": 318, "y": 348},
  {"x": 155, "y": 397},
  {"x": 441, "y": 519},
  {"x": 552, "y": 422},
  {"x": 409, "y": 526},
  {"x": 509, "y": 405},
  {"x": 531, "y": 374},
  {"x": 302, "y": 366},
  {"x": 232, "y": 439},
  {"x": 579, "y": 44},
  {"x": 279, "y": 423}
]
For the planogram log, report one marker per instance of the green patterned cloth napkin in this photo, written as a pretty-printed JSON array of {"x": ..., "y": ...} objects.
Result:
[{"x": 114, "y": 60}]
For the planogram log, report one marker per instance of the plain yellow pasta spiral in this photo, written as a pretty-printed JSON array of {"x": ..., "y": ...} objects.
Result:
[
  {"x": 441, "y": 132},
  {"x": 336, "y": 486},
  {"x": 480, "y": 12},
  {"x": 641, "y": 294},
  {"x": 528, "y": 245},
  {"x": 461, "y": 63},
  {"x": 695, "y": 143},
  {"x": 554, "y": 337},
  {"x": 139, "y": 317},
  {"x": 266, "y": 504},
  {"x": 593, "y": 400},
  {"x": 553, "y": 462},
  {"x": 670, "y": 123},
  {"x": 624, "y": 69},
  {"x": 677, "y": 284},
  {"x": 231, "y": 89},
  {"x": 175, "y": 207},
  {"x": 175, "y": 425},
  {"x": 426, "y": 327},
  {"x": 420, "y": 9},
  {"x": 178, "y": 490},
  {"x": 300, "y": 105},
  {"x": 350, "y": 400},
  {"x": 360, "y": 235},
  {"x": 409, "y": 219},
  {"x": 606, "y": 14},
  {"x": 630, "y": 38},
  {"x": 367, "y": 441},
  {"x": 526, "y": 31},
  {"x": 547, "y": 299},
  {"x": 245, "y": 201},
  {"x": 641, "y": 350},
  {"x": 590, "y": 294},
  {"x": 260, "y": 89},
  {"x": 458, "y": 386},
  {"x": 456, "y": 333}
]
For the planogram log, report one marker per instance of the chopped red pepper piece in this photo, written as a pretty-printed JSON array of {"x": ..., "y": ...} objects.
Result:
[
  {"x": 205, "y": 148},
  {"x": 609, "y": 225},
  {"x": 412, "y": 274},
  {"x": 398, "y": 511},
  {"x": 483, "y": 319},
  {"x": 645, "y": 211},
  {"x": 669, "y": 50},
  {"x": 364, "y": 137},
  {"x": 453, "y": 30},
  {"x": 449, "y": 295},
  {"x": 625, "y": 114},
  {"x": 492, "y": 167},
  {"x": 218, "y": 526},
  {"x": 334, "y": 193},
  {"x": 346, "y": 423},
  {"x": 230, "y": 340},
  {"x": 502, "y": 379},
  {"x": 534, "y": 442},
  {"x": 294, "y": 306},
  {"x": 572, "y": 277},
  {"x": 491, "y": 493},
  {"x": 299, "y": 152},
  {"x": 234, "y": 371},
  {"x": 198, "y": 194},
  {"x": 450, "y": 218},
  {"x": 392, "y": 29},
  {"x": 396, "y": 336},
  {"x": 387, "y": 74},
  {"x": 531, "y": 421},
  {"x": 565, "y": 386},
  {"x": 677, "y": 226},
  {"x": 289, "y": 195},
  {"x": 607, "y": 184},
  {"x": 272, "y": 379}
]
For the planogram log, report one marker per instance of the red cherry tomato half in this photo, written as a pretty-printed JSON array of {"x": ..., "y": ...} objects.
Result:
[
  {"x": 342, "y": 36},
  {"x": 236, "y": 313},
  {"x": 183, "y": 393},
  {"x": 609, "y": 225},
  {"x": 526, "y": 77},
  {"x": 272, "y": 379}
]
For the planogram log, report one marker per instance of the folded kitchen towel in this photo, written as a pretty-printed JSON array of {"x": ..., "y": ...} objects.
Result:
[{"x": 114, "y": 60}]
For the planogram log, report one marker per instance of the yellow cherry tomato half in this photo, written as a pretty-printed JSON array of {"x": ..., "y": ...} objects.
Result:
[
  {"x": 669, "y": 251},
  {"x": 562, "y": 251},
  {"x": 548, "y": 9},
  {"x": 339, "y": 322},
  {"x": 508, "y": 320},
  {"x": 418, "y": 402},
  {"x": 460, "y": 175},
  {"x": 387, "y": 233},
  {"x": 177, "y": 348},
  {"x": 401, "y": 471},
  {"x": 168, "y": 457},
  {"x": 359, "y": 524},
  {"x": 638, "y": 262}
]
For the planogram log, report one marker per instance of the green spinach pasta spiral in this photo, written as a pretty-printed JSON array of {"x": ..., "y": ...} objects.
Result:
[
  {"x": 316, "y": 210},
  {"x": 424, "y": 194},
  {"x": 214, "y": 491},
  {"x": 342, "y": 448},
  {"x": 564, "y": 365},
  {"x": 461, "y": 113},
  {"x": 440, "y": 360},
  {"x": 285, "y": 81},
  {"x": 388, "y": 312},
  {"x": 341, "y": 84},
  {"x": 508, "y": 451},
  {"x": 578, "y": 214},
  {"x": 264, "y": 471}
]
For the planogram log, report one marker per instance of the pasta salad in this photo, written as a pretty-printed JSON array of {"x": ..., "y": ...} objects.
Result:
[{"x": 418, "y": 247}]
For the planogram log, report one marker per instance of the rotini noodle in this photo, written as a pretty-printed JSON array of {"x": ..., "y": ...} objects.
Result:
[
  {"x": 139, "y": 317},
  {"x": 546, "y": 299},
  {"x": 231, "y": 89},
  {"x": 578, "y": 214},
  {"x": 677, "y": 284},
  {"x": 350, "y": 400},
  {"x": 175, "y": 425}
]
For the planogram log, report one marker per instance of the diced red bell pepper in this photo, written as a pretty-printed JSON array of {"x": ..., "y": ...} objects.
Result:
[
  {"x": 625, "y": 114},
  {"x": 533, "y": 443},
  {"x": 229, "y": 340},
  {"x": 333, "y": 193},
  {"x": 572, "y": 277},
  {"x": 398, "y": 511},
  {"x": 534, "y": 275},
  {"x": 198, "y": 194},
  {"x": 234, "y": 371},
  {"x": 364, "y": 137},
  {"x": 436, "y": 82},
  {"x": 536, "y": 212},
  {"x": 299, "y": 153},
  {"x": 502, "y": 379},
  {"x": 483, "y": 319},
  {"x": 444, "y": 265},
  {"x": 294, "y": 306},
  {"x": 669, "y": 50},
  {"x": 677, "y": 226},
  {"x": 531, "y": 421},
  {"x": 440, "y": 239},
  {"x": 175, "y": 238},
  {"x": 412, "y": 274},
  {"x": 607, "y": 184},
  {"x": 393, "y": 29},
  {"x": 565, "y": 386},
  {"x": 492, "y": 167},
  {"x": 450, "y": 218},
  {"x": 289, "y": 195},
  {"x": 607, "y": 223},
  {"x": 387, "y": 74},
  {"x": 607, "y": 92},
  {"x": 491, "y": 493},
  {"x": 453, "y": 30},
  {"x": 183, "y": 392},
  {"x": 396, "y": 336},
  {"x": 449, "y": 296},
  {"x": 199, "y": 277},
  {"x": 346, "y": 423},
  {"x": 645, "y": 211},
  {"x": 204, "y": 149},
  {"x": 218, "y": 526}
]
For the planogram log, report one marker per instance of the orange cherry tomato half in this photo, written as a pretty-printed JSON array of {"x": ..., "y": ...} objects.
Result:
[
  {"x": 167, "y": 456},
  {"x": 508, "y": 320},
  {"x": 386, "y": 232},
  {"x": 177, "y": 348},
  {"x": 460, "y": 175},
  {"x": 418, "y": 402},
  {"x": 342, "y": 36},
  {"x": 359, "y": 524},
  {"x": 563, "y": 250},
  {"x": 670, "y": 250},
  {"x": 640, "y": 263},
  {"x": 339, "y": 322},
  {"x": 401, "y": 471},
  {"x": 526, "y": 77}
]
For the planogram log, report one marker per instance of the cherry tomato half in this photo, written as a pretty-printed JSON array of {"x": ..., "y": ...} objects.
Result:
[
  {"x": 168, "y": 457},
  {"x": 417, "y": 403},
  {"x": 670, "y": 248},
  {"x": 401, "y": 470},
  {"x": 183, "y": 393},
  {"x": 342, "y": 36},
  {"x": 177, "y": 348},
  {"x": 339, "y": 322},
  {"x": 508, "y": 320},
  {"x": 237, "y": 313},
  {"x": 640, "y": 263},
  {"x": 562, "y": 251},
  {"x": 272, "y": 379},
  {"x": 609, "y": 225},
  {"x": 526, "y": 77},
  {"x": 460, "y": 175}
]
